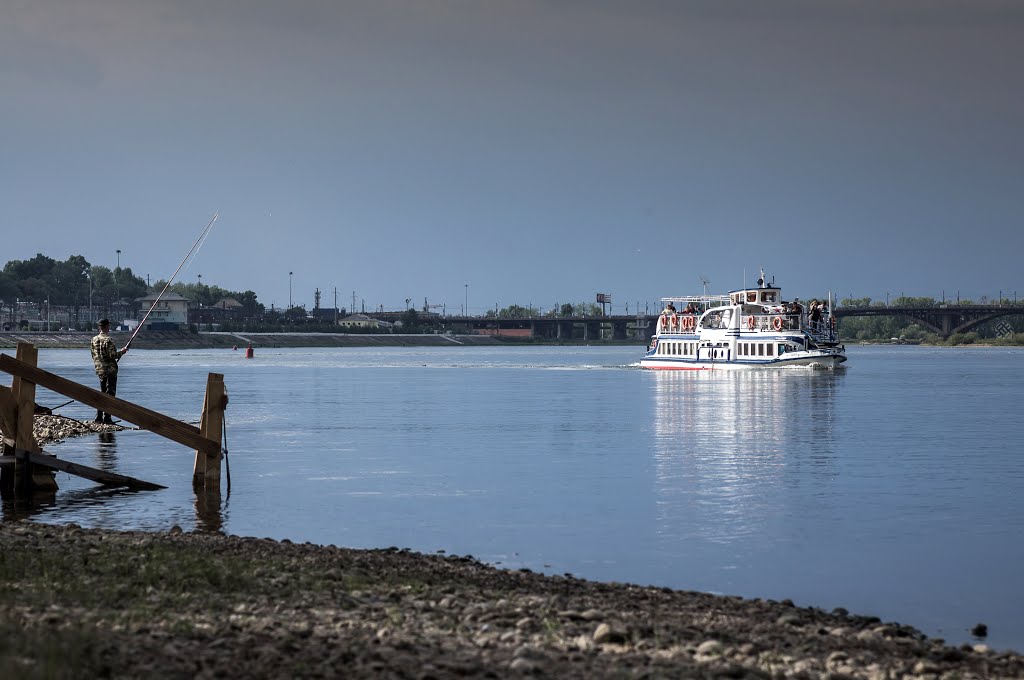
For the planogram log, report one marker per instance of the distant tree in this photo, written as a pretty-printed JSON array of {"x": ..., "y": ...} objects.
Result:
[
  {"x": 250, "y": 304},
  {"x": 295, "y": 315},
  {"x": 8, "y": 287},
  {"x": 516, "y": 312},
  {"x": 34, "y": 277},
  {"x": 566, "y": 310},
  {"x": 410, "y": 321},
  {"x": 906, "y": 301}
]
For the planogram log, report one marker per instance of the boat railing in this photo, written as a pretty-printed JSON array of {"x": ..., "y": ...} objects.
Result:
[
  {"x": 771, "y": 322},
  {"x": 823, "y": 332},
  {"x": 677, "y": 323},
  {"x": 701, "y": 301}
]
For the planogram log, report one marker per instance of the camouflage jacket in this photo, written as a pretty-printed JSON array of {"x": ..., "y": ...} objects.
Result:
[{"x": 105, "y": 355}]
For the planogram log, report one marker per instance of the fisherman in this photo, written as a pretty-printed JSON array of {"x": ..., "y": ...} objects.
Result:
[{"x": 105, "y": 356}]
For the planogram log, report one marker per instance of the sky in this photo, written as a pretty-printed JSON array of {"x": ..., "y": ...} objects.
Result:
[{"x": 520, "y": 152}]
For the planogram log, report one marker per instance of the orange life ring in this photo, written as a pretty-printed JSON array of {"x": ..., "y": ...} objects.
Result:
[
  {"x": 777, "y": 323},
  {"x": 751, "y": 322},
  {"x": 664, "y": 321},
  {"x": 691, "y": 323}
]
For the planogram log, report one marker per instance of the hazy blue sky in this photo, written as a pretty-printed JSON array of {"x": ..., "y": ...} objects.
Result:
[{"x": 538, "y": 151}]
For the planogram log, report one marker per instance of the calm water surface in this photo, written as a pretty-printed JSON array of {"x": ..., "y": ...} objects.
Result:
[{"x": 890, "y": 488}]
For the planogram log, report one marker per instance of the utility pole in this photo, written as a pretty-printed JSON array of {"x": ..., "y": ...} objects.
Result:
[{"x": 117, "y": 283}]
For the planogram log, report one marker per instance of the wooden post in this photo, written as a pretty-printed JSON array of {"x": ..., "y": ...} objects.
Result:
[
  {"x": 24, "y": 393},
  {"x": 206, "y": 472}
]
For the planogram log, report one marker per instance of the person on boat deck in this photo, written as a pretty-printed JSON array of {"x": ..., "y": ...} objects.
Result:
[
  {"x": 105, "y": 356},
  {"x": 670, "y": 308},
  {"x": 690, "y": 308},
  {"x": 798, "y": 310},
  {"x": 815, "y": 314}
]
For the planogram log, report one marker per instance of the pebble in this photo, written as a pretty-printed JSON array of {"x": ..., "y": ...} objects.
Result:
[
  {"x": 605, "y": 634},
  {"x": 709, "y": 648},
  {"x": 521, "y": 665}
]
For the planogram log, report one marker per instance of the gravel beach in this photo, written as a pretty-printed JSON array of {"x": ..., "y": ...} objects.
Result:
[{"x": 96, "y": 603}]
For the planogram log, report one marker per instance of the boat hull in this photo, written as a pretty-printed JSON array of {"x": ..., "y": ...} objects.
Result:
[{"x": 812, "y": 360}]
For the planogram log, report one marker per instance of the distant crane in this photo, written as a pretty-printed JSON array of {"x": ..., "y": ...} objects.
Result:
[{"x": 427, "y": 307}]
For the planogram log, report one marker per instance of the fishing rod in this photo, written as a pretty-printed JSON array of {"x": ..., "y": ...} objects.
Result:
[{"x": 202, "y": 237}]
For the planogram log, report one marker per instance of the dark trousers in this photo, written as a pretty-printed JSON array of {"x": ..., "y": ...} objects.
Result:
[{"x": 108, "y": 385}]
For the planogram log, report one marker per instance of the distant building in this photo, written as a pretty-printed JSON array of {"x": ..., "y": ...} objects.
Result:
[
  {"x": 228, "y": 308},
  {"x": 359, "y": 321},
  {"x": 170, "y": 313},
  {"x": 327, "y": 314}
]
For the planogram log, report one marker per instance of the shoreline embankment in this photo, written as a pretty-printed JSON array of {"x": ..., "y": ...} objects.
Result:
[{"x": 225, "y": 340}]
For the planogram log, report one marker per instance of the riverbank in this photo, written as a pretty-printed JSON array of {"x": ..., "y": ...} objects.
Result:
[
  {"x": 95, "y": 603},
  {"x": 220, "y": 340}
]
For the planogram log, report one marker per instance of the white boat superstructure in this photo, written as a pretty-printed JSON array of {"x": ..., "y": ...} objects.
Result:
[{"x": 749, "y": 328}]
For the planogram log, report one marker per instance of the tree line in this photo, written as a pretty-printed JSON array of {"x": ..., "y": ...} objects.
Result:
[
  {"x": 1008, "y": 330},
  {"x": 78, "y": 284}
]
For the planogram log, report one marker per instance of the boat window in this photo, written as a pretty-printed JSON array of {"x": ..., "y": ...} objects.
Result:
[
  {"x": 770, "y": 350},
  {"x": 751, "y": 296},
  {"x": 768, "y": 297},
  {"x": 782, "y": 350},
  {"x": 726, "y": 319},
  {"x": 760, "y": 349}
]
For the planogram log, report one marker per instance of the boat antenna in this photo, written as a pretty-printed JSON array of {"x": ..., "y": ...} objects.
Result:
[
  {"x": 704, "y": 280},
  {"x": 191, "y": 252}
]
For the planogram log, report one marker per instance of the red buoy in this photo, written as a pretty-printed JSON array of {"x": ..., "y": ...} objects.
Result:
[{"x": 248, "y": 351}]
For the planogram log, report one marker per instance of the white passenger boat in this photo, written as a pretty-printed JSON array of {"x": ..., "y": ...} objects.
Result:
[{"x": 749, "y": 328}]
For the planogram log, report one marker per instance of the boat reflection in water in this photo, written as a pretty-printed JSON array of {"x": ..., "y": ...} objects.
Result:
[{"x": 738, "y": 455}]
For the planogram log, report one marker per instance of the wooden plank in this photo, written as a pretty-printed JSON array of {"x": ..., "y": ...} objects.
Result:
[
  {"x": 175, "y": 430},
  {"x": 24, "y": 392},
  {"x": 206, "y": 472},
  {"x": 101, "y": 476}
]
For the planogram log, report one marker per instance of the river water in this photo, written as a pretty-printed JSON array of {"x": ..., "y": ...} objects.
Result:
[{"x": 891, "y": 487}]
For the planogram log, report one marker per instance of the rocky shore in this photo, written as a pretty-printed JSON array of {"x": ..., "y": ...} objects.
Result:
[
  {"x": 89, "y": 603},
  {"x": 78, "y": 602}
]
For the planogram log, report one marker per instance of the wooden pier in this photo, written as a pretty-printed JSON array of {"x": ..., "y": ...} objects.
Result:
[{"x": 25, "y": 467}]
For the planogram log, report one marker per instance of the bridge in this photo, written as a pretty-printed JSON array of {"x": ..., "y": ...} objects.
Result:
[{"x": 944, "y": 320}]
